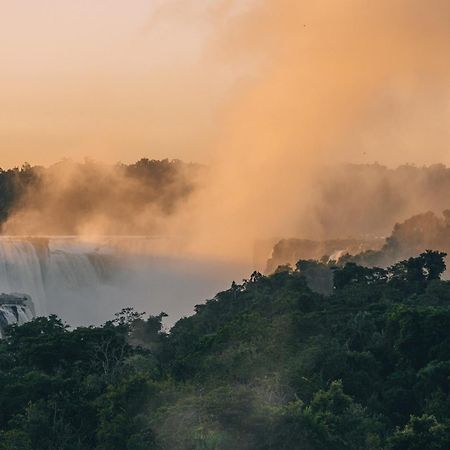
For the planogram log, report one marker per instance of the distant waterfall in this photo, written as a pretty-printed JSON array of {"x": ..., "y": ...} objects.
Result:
[
  {"x": 15, "y": 310},
  {"x": 20, "y": 271},
  {"x": 70, "y": 270},
  {"x": 63, "y": 266},
  {"x": 86, "y": 282}
]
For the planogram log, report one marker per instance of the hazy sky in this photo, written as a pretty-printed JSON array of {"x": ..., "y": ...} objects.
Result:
[
  {"x": 267, "y": 90},
  {"x": 107, "y": 79},
  {"x": 118, "y": 80}
]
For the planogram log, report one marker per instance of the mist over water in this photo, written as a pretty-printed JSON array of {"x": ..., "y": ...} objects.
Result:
[
  {"x": 20, "y": 271},
  {"x": 86, "y": 282}
]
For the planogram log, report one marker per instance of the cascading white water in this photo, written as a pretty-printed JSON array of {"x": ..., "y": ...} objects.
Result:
[
  {"x": 8, "y": 314},
  {"x": 23, "y": 315},
  {"x": 15, "y": 309},
  {"x": 86, "y": 282},
  {"x": 70, "y": 270},
  {"x": 20, "y": 271},
  {"x": 61, "y": 268}
]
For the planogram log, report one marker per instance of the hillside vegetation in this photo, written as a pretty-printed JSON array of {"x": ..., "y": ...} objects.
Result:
[{"x": 268, "y": 364}]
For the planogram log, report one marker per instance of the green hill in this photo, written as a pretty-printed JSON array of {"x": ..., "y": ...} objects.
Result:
[{"x": 268, "y": 364}]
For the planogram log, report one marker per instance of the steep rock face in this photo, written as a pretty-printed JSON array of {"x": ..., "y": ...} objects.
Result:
[{"x": 15, "y": 309}]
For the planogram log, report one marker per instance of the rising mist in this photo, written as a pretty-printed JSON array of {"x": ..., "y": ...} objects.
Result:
[{"x": 316, "y": 83}]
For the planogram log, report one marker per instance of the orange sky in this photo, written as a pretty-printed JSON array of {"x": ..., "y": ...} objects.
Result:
[
  {"x": 268, "y": 91},
  {"x": 116, "y": 80},
  {"x": 107, "y": 79}
]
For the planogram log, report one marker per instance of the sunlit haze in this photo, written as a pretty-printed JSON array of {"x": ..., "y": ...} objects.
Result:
[
  {"x": 116, "y": 81},
  {"x": 110, "y": 80},
  {"x": 265, "y": 92}
]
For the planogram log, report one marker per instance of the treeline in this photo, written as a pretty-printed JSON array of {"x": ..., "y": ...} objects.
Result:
[
  {"x": 68, "y": 197},
  {"x": 14, "y": 183},
  {"x": 290, "y": 250},
  {"x": 73, "y": 198},
  {"x": 268, "y": 364},
  {"x": 408, "y": 238}
]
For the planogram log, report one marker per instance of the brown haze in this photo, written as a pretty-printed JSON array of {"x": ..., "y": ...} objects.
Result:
[
  {"x": 337, "y": 81},
  {"x": 326, "y": 82}
]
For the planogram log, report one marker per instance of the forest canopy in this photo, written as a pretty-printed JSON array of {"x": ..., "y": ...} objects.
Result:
[{"x": 267, "y": 364}]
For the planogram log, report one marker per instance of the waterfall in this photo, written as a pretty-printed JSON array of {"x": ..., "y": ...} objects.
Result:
[
  {"x": 20, "y": 271},
  {"x": 87, "y": 282},
  {"x": 23, "y": 315},
  {"x": 62, "y": 267},
  {"x": 70, "y": 271},
  {"x": 15, "y": 309}
]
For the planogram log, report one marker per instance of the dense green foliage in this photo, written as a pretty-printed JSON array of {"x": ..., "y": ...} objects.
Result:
[{"x": 268, "y": 364}]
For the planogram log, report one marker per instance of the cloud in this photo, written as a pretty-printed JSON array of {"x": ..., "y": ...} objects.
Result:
[{"x": 283, "y": 88}]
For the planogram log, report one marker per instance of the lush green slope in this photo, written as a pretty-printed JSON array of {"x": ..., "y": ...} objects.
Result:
[{"x": 267, "y": 364}]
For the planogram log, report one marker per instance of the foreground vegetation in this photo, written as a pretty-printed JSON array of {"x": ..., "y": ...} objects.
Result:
[{"x": 267, "y": 364}]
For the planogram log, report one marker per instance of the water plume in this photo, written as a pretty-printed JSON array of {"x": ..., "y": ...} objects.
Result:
[
  {"x": 311, "y": 84},
  {"x": 336, "y": 82}
]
